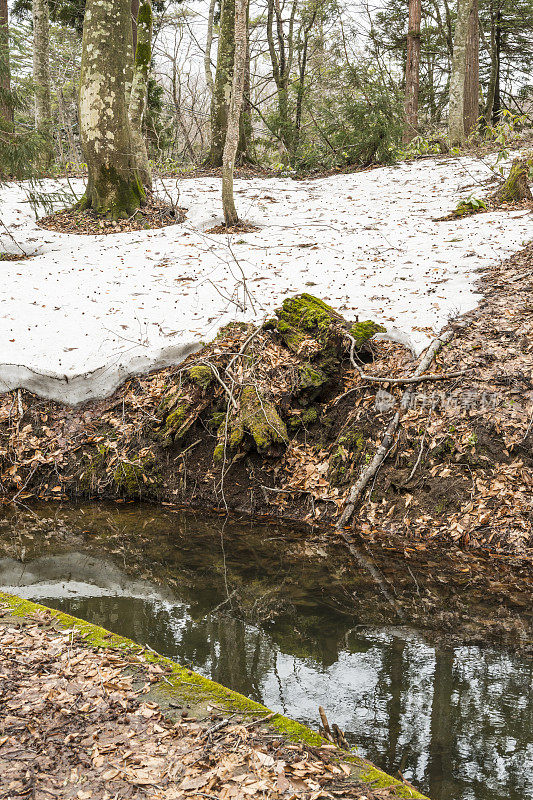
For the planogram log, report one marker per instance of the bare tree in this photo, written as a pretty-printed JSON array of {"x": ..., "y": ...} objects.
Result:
[
  {"x": 208, "y": 45},
  {"x": 456, "y": 122},
  {"x": 281, "y": 49},
  {"x": 223, "y": 82},
  {"x": 139, "y": 90},
  {"x": 6, "y": 107},
  {"x": 41, "y": 64},
  {"x": 234, "y": 114},
  {"x": 412, "y": 70},
  {"x": 471, "y": 102}
]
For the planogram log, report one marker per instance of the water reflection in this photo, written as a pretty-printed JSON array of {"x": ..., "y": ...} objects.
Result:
[{"x": 456, "y": 720}]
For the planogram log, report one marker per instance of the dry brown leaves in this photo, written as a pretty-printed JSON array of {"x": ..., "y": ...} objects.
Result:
[
  {"x": 72, "y": 725},
  {"x": 14, "y": 257},
  {"x": 241, "y": 227},
  {"x": 155, "y": 214}
]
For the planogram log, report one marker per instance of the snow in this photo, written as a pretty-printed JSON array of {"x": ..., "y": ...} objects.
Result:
[{"x": 88, "y": 311}]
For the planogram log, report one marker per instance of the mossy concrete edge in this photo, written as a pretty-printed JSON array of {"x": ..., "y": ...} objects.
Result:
[{"x": 187, "y": 686}]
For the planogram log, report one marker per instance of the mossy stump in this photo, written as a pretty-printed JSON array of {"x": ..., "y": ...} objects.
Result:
[
  {"x": 257, "y": 416},
  {"x": 516, "y": 186}
]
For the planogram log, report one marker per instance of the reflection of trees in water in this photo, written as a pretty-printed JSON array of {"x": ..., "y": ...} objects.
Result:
[
  {"x": 458, "y": 717},
  {"x": 440, "y": 770},
  {"x": 469, "y": 710}
]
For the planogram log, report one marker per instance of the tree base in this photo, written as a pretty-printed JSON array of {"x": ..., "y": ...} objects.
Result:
[
  {"x": 111, "y": 196},
  {"x": 516, "y": 187}
]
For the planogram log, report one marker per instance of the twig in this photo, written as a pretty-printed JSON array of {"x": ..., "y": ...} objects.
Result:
[
  {"x": 357, "y": 490},
  {"x": 190, "y": 447},
  {"x": 325, "y": 723},
  {"x": 260, "y": 721},
  {"x": 217, "y": 727}
]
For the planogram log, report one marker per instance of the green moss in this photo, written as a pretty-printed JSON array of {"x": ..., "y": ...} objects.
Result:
[
  {"x": 307, "y": 313},
  {"x": 182, "y": 686},
  {"x": 176, "y": 418},
  {"x": 201, "y": 375},
  {"x": 310, "y": 377},
  {"x": 135, "y": 476},
  {"x": 380, "y": 780},
  {"x": 144, "y": 17},
  {"x": 309, "y": 415},
  {"x": 259, "y": 417},
  {"x": 363, "y": 331},
  {"x": 143, "y": 54},
  {"x": 113, "y": 196},
  {"x": 218, "y": 453},
  {"x": 516, "y": 187}
]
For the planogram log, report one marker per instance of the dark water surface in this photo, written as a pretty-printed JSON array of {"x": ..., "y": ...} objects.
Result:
[{"x": 422, "y": 661}]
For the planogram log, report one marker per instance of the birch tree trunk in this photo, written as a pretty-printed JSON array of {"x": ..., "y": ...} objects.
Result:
[
  {"x": 235, "y": 104},
  {"x": 41, "y": 65},
  {"x": 6, "y": 107},
  {"x": 456, "y": 123},
  {"x": 471, "y": 103},
  {"x": 139, "y": 91},
  {"x": 412, "y": 71},
  {"x": 114, "y": 188},
  {"x": 223, "y": 82}
]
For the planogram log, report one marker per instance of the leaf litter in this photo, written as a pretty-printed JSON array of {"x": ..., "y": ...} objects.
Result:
[{"x": 74, "y": 723}]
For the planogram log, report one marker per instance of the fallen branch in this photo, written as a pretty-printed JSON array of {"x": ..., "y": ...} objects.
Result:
[
  {"x": 367, "y": 475},
  {"x": 410, "y": 379}
]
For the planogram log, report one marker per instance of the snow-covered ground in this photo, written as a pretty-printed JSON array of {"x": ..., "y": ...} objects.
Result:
[{"x": 87, "y": 311}]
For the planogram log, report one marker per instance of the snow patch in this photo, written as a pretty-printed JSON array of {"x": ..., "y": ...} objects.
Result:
[{"x": 86, "y": 312}]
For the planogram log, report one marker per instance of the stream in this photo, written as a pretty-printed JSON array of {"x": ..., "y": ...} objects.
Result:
[{"x": 423, "y": 660}]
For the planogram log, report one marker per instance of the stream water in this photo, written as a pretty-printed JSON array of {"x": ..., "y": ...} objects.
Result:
[{"x": 424, "y": 663}]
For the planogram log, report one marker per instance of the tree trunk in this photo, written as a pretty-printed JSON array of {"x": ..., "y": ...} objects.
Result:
[
  {"x": 456, "y": 124},
  {"x": 281, "y": 69},
  {"x": 41, "y": 65},
  {"x": 6, "y": 106},
  {"x": 223, "y": 82},
  {"x": 301, "y": 81},
  {"x": 114, "y": 188},
  {"x": 471, "y": 104},
  {"x": 235, "y": 104},
  {"x": 139, "y": 91},
  {"x": 516, "y": 186},
  {"x": 412, "y": 71},
  {"x": 208, "y": 45},
  {"x": 497, "y": 102},
  {"x": 244, "y": 154},
  {"x": 134, "y": 14},
  {"x": 494, "y": 69},
  {"x": 67, "y": 125}
]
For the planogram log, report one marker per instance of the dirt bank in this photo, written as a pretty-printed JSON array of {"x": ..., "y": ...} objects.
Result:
[{"x": 276, "y": 420}]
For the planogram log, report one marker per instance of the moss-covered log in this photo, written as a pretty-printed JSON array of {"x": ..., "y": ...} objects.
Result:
[
  {"x": 516, "y": 186},
  {"x": 114, "y": 187}
]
